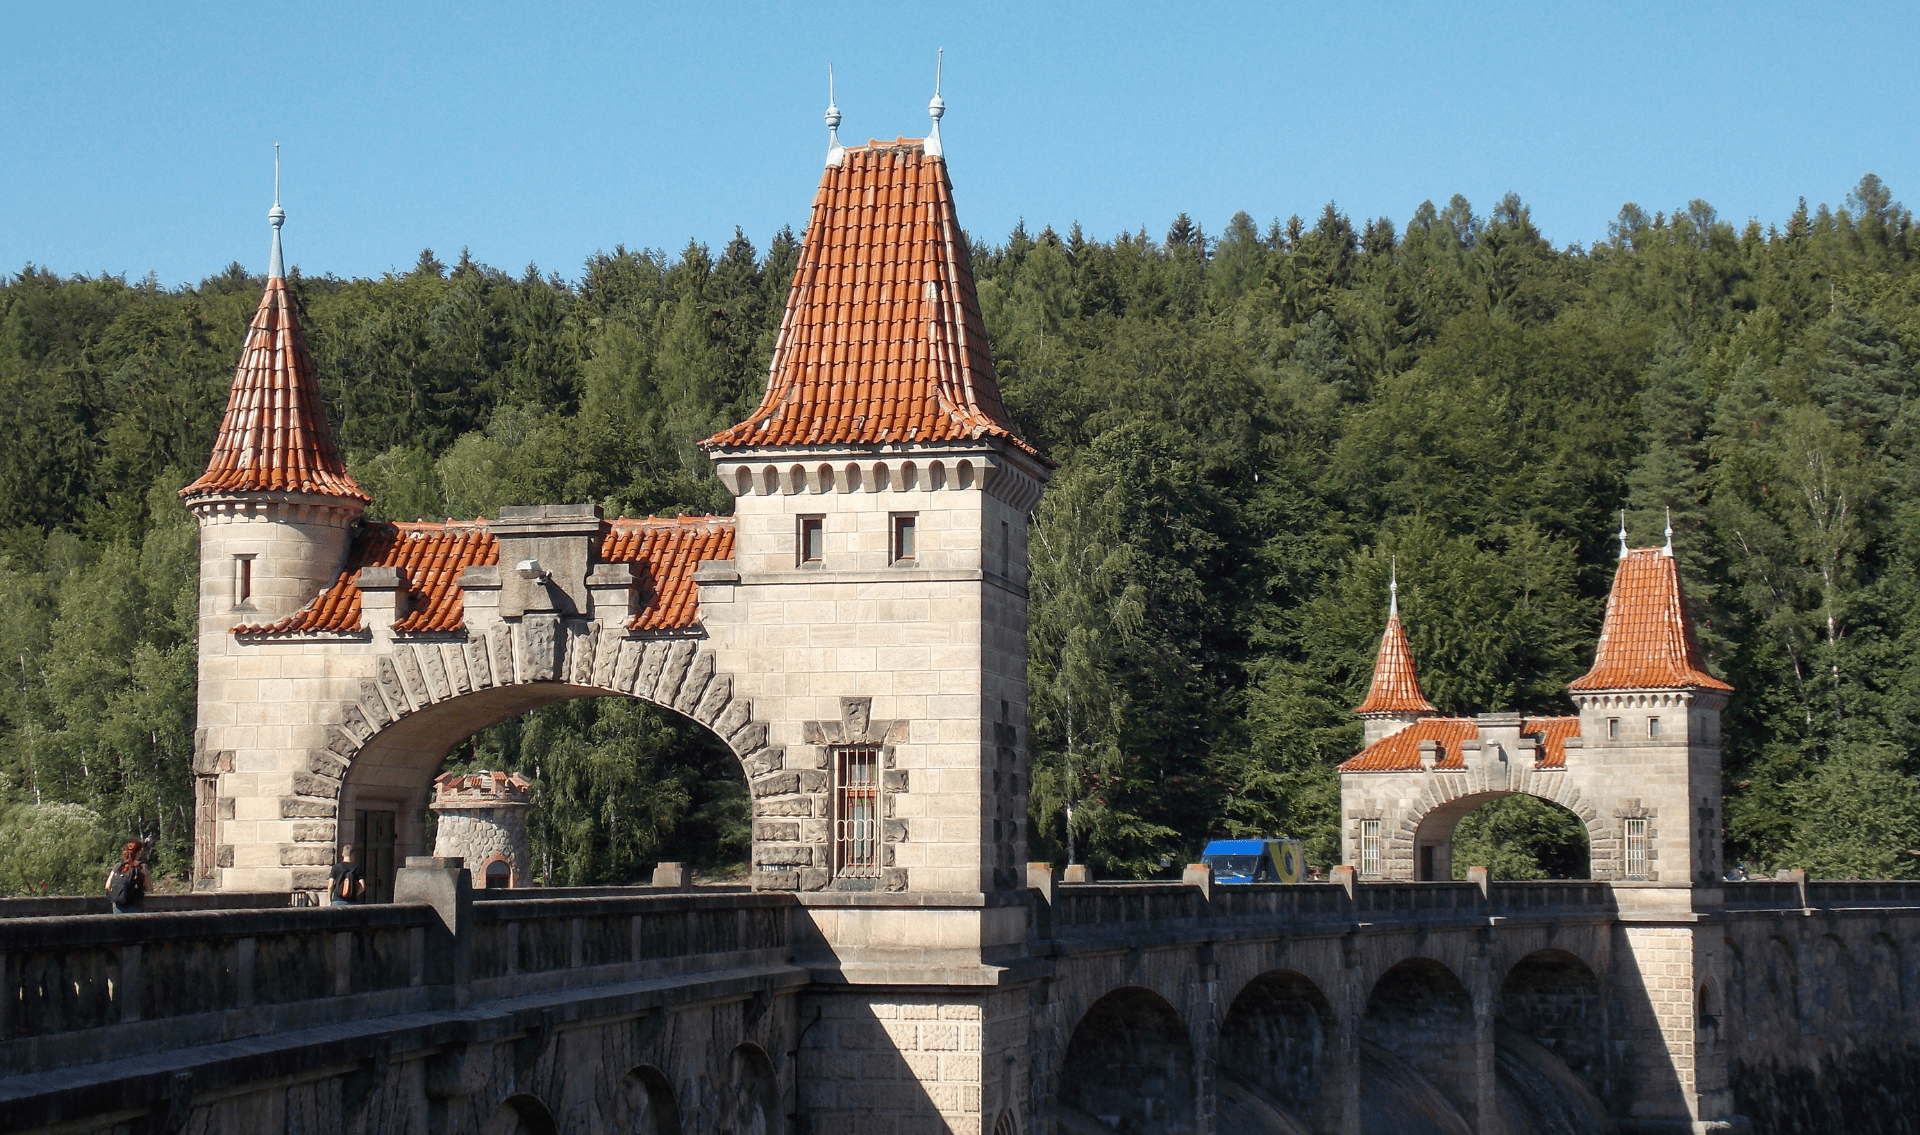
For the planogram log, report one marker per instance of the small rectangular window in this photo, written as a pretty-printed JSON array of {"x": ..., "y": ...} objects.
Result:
[
  {"x": 856, "y": 819},
  {"x": 1369, "y": 849},
  {"x": 1613, "y": 729},
  {"x": 1006, "y": 551},
  {"x": 812, "y": 542},
  {"x": 1636, "y": 849},
  {"x": 1653, "y": 727},
  {"x": 902, "y": 538},
  {"x": 242, "y": 580}
]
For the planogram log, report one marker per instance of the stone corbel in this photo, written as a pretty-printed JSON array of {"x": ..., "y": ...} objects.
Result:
[
  {"x": 614, "y": 590},
  {"x": 1429, "y": 755}
]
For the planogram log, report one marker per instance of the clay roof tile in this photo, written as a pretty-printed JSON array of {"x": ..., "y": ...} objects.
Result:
[
  {"x": 1396, "y": 685},
  {"x": 1647, "y": 641}
]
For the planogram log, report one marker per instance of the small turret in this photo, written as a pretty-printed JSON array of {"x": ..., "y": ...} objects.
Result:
[{"x": 1394, "y": 700}]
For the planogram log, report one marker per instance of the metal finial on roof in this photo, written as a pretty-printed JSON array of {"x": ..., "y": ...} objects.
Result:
[
  {"x": 1393, "y": 588},
  {"x": 836, "y": 153},
  {"x": 276, "y": 216},
  {"x": 1668, "y": 550},
  {"x": 937, "y": 108},
  {"x": 1623, "y": 533}
]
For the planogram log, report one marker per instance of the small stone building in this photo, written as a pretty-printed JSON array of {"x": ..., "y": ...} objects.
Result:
[
  {"x": 1639, "y": 762},
  {"x": 481, "y": 818}
]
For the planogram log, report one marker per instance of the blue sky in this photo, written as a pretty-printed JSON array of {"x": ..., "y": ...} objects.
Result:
[{"x": 137, "y": 138}]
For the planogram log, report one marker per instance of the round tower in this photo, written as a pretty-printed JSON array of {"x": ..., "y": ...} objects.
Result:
[{"x": 481, "y": 817}]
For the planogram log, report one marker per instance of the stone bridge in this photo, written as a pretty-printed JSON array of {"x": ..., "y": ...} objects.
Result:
[{"x": 1141, "y": 1007}]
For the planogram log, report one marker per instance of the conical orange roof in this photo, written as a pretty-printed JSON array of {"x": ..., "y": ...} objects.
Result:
[
  {"x": 1396, "y": 687},
  {"x": 882, "y": 341},
  {"x": 274, "y": 437},
  {"x": 1647, "y": 641}
]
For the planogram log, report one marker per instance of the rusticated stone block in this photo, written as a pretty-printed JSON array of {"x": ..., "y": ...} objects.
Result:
[
  {"x": 439, "y": 684},
  {"x": 223, "y": 855},
  {"x": 764, "y": 762},
  {"x": 734, "y": 716},
  {"x": 295, "y": 808},
  {"x": 297, "y": 855},
  {"x": 782, "y": 855},
  {"x": 776, "y": 880},
  {"x": 308, "y": 879},
  {"x": 893, "y": 879},
  {"x": 781, "y": 831},
  {"x": 455, "y": 659},
  {"x": 500, "y": 638},
  {"x": 679, "y": 656},
  {"x": 223, "y": 808},
  {"x": 374, "y": 705},
  {"x": 694, "y": 686},
  {"x": 416, "y": 682},
  {"x": 312, "y": 832},
  {"x": 582, "y": 642},
  {"x": 894, "y": 831},
  {"x": 539, "y": 647},
  {"x": 776, "y": 784},
  {"x": 813, "y": 879},
  {"x": 811, "y": 781},
  {"x": 354, "y": 720},
  {"x": 628, "y": 667},
  {"x": 324, "y": 787},
  {"x": 785, "y": 806},
  {"x": 342, "y": 743},
  {"x": 321, "y": 762},
  {"x": 390, "y": 687},
  {"x": 753, "y": 736},
  {"x": 652, "y": 662},
  {"x": 719, "y": 693},
  {"x": 478, "y": 667},
  {"x": 895, "y": 781}
]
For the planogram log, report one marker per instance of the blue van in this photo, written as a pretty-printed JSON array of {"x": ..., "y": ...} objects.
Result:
[{"x": 1256, "y": 861}]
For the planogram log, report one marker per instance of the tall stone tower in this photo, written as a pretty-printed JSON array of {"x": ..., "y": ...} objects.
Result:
[{"x": 276, "y": 509}]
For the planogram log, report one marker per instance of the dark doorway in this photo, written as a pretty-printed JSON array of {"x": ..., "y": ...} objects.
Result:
[
  {"x": 375, "y": 853},
  {"x": 1426, "y": 863}
]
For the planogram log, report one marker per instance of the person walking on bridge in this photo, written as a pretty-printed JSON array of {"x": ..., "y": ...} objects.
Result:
[
  {"x": 349, "y": 884},
  {"x": 127, "y": 883}
]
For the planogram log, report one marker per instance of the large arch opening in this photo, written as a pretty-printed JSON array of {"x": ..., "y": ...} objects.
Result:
[
  {"x": 752, "y": 1102},
  {"x": 1551, "y": 1045},
  {"x": 1418, "y": 1066},
  {"x": 1514, "y": 835},
  {"x": 646, "y": 1104},
  {"x": 521, "y": 1114},
  {"x": 1129, "y": 1068},
  {"x": 1273, "y": 1048},
  {"x": 619, "y": 783}
]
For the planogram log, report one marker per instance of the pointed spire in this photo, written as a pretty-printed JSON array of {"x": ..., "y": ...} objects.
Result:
[
  {"x": 274, "y": 437},
  {"x": 276, "y": 216},
  {"x": 937, "y": 109},
  {"x": 1395, "y": 688},
  {"x": 1647, "y": 640},
  {"x": 1623, "y": 533},
  {"x": 1668, "y": 550},
  {"x": 836, "y": 153}
]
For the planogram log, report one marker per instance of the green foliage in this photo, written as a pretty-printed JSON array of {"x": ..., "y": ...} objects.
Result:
[
  {"x": 1521, "y": 837},
  {"x": 53, "y": 849},
  {"x": 1252, "y": 428}
]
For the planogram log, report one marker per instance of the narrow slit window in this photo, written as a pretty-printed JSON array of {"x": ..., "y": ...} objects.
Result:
[
  {"x": 1636, "y": 849},
  {"x": 1613, "y": 729},
  {"x": 903, "y": 539},
  {"x": 1370, "y": 849},
  {"x": 1653, "y": 727},
  {"x": 856, "y": 821},
  {"x": 242, "y": 580},
  {"x": 812, "y": 539},
  {"x": 1006, "y": 550}
]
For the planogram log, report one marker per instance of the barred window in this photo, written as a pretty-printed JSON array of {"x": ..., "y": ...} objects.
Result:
[
  {"x": 856, "y": 820},
  {"x": 1636, "y": 849},
  {"x": 1370, "y": 849}
]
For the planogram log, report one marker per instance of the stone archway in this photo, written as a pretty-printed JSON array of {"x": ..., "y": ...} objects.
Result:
[
  {"x": 428, "y": 695},
  {"x": 1419, "y": 1065},
  {"x": 1552, "y": 1040},
  {"x": 1426, "y": 838},
  {"x": 1129, "y": 1068}
]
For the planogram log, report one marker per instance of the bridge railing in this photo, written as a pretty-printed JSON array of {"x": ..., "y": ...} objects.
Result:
[
  {"x": 60, "y": 906},
  {"x": 533, "y": 944},
  {"x": 79, "y": 988}
]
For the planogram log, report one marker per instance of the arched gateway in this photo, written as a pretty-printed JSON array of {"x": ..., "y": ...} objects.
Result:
[{"x": 855, "y": 632}]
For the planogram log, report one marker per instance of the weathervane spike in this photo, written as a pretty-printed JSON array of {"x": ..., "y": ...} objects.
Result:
[
  {"x": 937, "y": 109},
  {"x": 1623, "y": 533},
  {"x": 276, "y": 216},
  {"x": 1393, "y": 588},
  {"x": 1668, "y": 550},
  {"x": 836, "y": 153}
]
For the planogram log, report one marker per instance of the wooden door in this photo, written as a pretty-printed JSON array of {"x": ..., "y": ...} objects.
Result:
[{"x": 376, "y": 854}]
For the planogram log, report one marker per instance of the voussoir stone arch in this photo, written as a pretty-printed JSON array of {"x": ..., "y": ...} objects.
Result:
[
  {"x": 1447, "y": 798},
  {"x": 427, "y": 694}
]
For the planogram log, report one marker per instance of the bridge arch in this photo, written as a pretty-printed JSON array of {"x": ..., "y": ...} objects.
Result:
[
  {"x": 1419, "y": 1014},
  {"x": 647, "y": 1103},
  {"x": 521, "y": 1114},
  {"x": 1427, "y": 837},
  {"x": 1130, "y": 1067},
  {"x": 751, "y": 1105},
  {"x": 1274, "y": 1045},
  {"x": 1554, "y": 998},
  {"x": 429, "y": 695}
]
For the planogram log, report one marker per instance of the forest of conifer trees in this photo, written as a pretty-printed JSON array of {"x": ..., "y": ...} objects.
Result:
[{"x": 1251, "y": 425}]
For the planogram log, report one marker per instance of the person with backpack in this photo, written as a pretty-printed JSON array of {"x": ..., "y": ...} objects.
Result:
[
  {"x": 127, "y": 883},
  {"x": 348, "y": 884}
]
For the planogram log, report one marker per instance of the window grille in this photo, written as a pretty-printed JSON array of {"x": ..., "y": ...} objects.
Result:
[
  {"x": 1370, "y": 849},
  {"x": 1636, "y": 849},
  {"x": 856, "y": 821}
]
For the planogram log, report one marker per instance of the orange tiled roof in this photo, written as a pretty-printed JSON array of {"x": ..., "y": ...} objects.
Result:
[
  {"x": 882, "y": 341},
  {"x": 1553, "y": 733},
  {"x": 482, "y": 785},
  {"x": 434, "y": 554},
  {"x": 274, "y": 437},
  {"x": 670, "y": 551},
  {"x": 1396, "y": 687},
  {"x": 1647, "y": 641},
  {"x": 1402, "y": 749}
]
